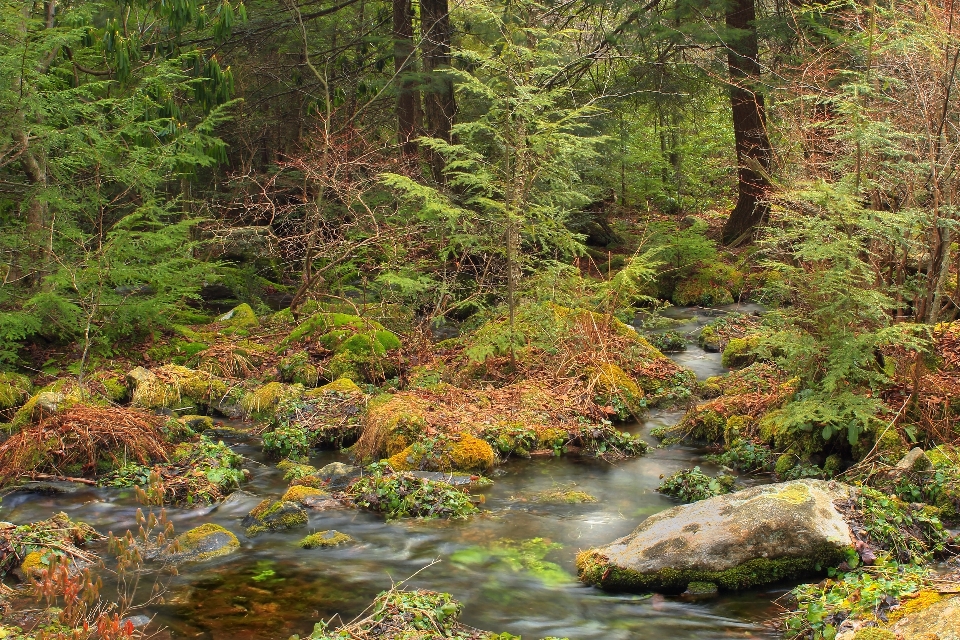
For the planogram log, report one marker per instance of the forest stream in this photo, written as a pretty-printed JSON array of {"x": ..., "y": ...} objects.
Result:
[{"x": 512, "y": 567}]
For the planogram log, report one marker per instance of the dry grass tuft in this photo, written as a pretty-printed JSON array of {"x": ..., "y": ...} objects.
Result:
[{"x": 82, "y": 437}]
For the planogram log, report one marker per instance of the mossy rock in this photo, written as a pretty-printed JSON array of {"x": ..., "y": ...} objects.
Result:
[
  {"x": 238, "y": 320},
  {"x": 112, "y": 384},
  {"x": 274, "y": 516},
  {"x": 726, "y": 540},
  {"x": 696, "y": 292},
  {"x": 323, "y": 539},
  {"x": 177, "y": 387},
  {"x": 34, "y": 564},
  {"x": 739, "y": 353},
  {"x": 773, "y": 431},
  {"x": 197, "y": 423},
  {"x": 614, "y": 388},
  {"x": 298, "y": 369},
  {"x": 462, "y": 452},
  {"x": 297, "y": 493},
  {"x": 262, "y": 403},
  {"x": 201, "y": 543},
  {"x": 342, "y": 386},
  {"x": 709, "y": 340},
  {"x": 323, "y": 323},
  {"x": 14, "y": 390},
  {"x": 51, "y": 400},
  {"x": 701, "y": 423}
]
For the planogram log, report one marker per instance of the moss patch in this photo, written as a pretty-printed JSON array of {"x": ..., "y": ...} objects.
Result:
[
  {"x": 323, "y": 539},
  {"x": 594, "y": 568},
  {"x": 297, "y": 493}
]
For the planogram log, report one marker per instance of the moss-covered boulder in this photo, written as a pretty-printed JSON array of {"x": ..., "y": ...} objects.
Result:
[
  {"x": 205, "y": 542},
  {"x": 359, "y": 347},
  {"x": 56, "y": 397},
  {"x": 180, "y": 388},
  {"x": 298, "y": 493},
  {"x": 739, "y": 352},
  {"x": 751, "y": 537},
  {"x": 14, "y": 390},
  {"x": 461, "y": 452},
  {"x": 238, "y": 320},
  {"x": 274, "y": 516},
  {"x": 323, "y": 539},
  {"x": 262, "y": 403},
  {"x": 614, "y": 389},
  {"x": 297, "y": 368}
]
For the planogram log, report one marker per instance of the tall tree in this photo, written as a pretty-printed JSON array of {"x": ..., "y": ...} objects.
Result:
[
  {"x": 408, "y": 101},
  {"x": 749, "y": 121},
  {"x": 440, "y": 104}
]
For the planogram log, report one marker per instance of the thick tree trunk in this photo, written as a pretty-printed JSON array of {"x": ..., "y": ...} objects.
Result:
[
  {"x": 440, "y": 104},
  {"x": 749, "y": 123},
  {"x": 408, "y": 106}
]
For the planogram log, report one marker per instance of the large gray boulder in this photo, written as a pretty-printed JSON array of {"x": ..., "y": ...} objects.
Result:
[{"x": 755, "y": 536}]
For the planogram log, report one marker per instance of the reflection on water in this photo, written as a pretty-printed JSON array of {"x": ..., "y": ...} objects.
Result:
[{"x": 272, "y": 588}]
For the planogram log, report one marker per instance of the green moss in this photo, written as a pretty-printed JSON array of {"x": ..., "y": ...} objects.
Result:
[
  {"x": 240, "y": 318},
  {"x": 739, "y": 353},
  {"x": 262, "y": 403},
  {"x": 298, "y": 369},
  {"x": 785, "y": 463},
  {"x": 594, "y": 568},
  {"x": 322, "y": 323},
  {"x": 193, "y": 542},
  {"x": 832, "y": 465},
  {"x": 330, "y": 538},
  {"x": 343, "y": 386},
  {"x": 297, "y": 493},
  {"x": 614, "y": 388},
  {"x": 459, "y": 453},
  {"x": 14, "y": 390},
  {"x": 197, "y": 423},
  {"x": 274, "y": 516}
]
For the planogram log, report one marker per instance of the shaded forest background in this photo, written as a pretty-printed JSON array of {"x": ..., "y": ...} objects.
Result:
[{"x": 162, "y": 161}]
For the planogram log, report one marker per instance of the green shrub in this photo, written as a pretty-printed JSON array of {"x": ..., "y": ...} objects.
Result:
[{"x": 692, "y": 485}]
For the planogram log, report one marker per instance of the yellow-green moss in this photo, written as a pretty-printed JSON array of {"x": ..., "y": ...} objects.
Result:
[
  {"x": 262, "y": 403},
  {"x": 614, "y": 387},
  {"x": 460, "y": 453},
  {"x": 274, "y": 516},
  {"x": 298, "y": 492},
  {"x": 240, "y": 317},
  {"x": 330, "y": 538},
  {"x": 919, "y": 602},
  {"x": 66, "y": 392},
  {"x": 197, "y": 423},
  {"x": 33, "y": 564},
  {"x": 190, "y": 542},
  {"x": 173, "y": 385},
  {"x": 739, "y": 352},
  {"x": 14, "y": 390},
  {"x": 344, "y": 386}
]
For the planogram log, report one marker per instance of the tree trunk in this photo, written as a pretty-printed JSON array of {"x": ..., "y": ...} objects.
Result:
[
  {"x": 749, "y": 122},
  {"x": 440, "y": 105},
  {"x": 404, "y": 64}
]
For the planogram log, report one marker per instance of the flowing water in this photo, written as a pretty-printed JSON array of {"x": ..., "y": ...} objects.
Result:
[{"x": 272, "y": 589}]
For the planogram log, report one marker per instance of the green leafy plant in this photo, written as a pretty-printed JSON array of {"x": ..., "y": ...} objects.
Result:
[
  {"x": 403, "y": 495},
  {"x": 692, "y": 485}
]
